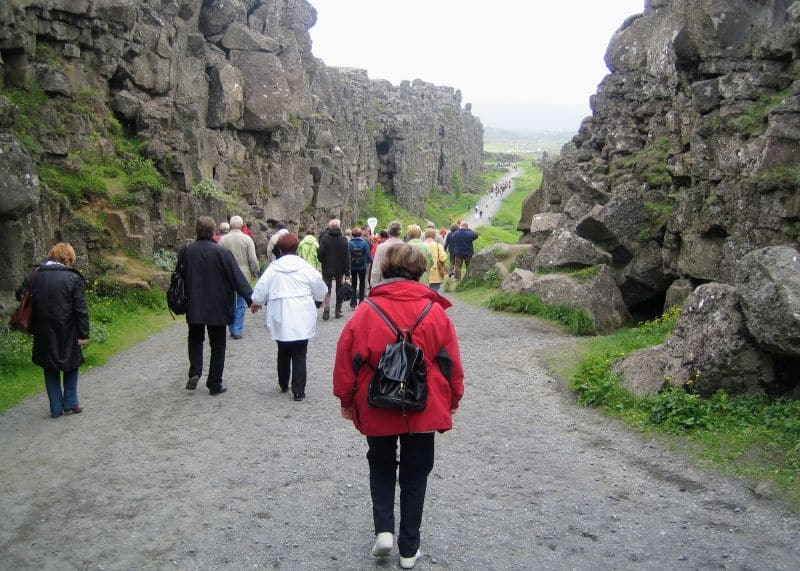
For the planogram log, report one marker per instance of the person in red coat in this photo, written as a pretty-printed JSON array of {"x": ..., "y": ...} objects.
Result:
[{"x": 362, "y": 341}]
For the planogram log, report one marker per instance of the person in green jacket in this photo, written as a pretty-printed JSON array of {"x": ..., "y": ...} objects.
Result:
[{"x": 308, "y": 249}]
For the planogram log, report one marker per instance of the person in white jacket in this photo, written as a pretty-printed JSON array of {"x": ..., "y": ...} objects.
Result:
[{"x": 292, "y": 290}]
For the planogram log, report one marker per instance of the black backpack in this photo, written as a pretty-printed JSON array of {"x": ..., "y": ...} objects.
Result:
[
  {"x": 357, "y": 256},
  {"x": 177, "y": 299},
  {"x": 401, "y": 380}
]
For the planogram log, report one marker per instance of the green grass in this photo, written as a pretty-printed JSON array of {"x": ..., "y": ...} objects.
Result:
[
  {"x": 784, "y": 178},
  {"x": 444, "y": 209},
  {"x": 650, "y": 163},
  {"x": 117, "y": 323},
  {"x": 576, "y": 321},
  {"x": 753, "y": 121},
  {"x": 477, "y": 295},
  {"x": 490, "y": 235},
  {"x": 383, "y": 206},
  {"x": 754, "y": 436},
  {"x": 793, "y": 230},
  {"x": 78, "y": 186},
  {"x": 582, "y": 275}
]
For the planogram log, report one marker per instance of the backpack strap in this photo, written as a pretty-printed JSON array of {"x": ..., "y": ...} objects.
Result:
[{"x": 391, "y": 324}]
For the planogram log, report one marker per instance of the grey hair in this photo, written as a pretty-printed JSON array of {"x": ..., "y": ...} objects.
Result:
[
  {"x": 335, "y": 223},
  {"x": 237, "y": 222}
]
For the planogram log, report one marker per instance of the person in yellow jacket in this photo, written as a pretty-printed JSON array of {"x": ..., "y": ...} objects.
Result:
[
  {"x": 438, "y": 271},
  {"x": 308, "y": 250}
]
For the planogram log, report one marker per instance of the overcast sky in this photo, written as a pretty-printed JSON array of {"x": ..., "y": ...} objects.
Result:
[{"x": 523, "y": 64}]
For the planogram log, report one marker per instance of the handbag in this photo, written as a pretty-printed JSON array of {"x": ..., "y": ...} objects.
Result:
[
  {"x": 22, "y": 318},
  {"x": 344, "y": 292},
  {"x": 177, "y": 299}
]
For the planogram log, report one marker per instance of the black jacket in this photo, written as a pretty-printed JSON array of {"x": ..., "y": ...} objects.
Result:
[
  {"x": 60, "y": 317},
  {"x": 212, "y": 278},
  {"x": 333, "y": 253}
]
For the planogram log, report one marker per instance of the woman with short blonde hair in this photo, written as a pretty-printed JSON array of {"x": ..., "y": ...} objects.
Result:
[
  {"x": 60, "y": 326},
  {"x": 62, "y": 253}
]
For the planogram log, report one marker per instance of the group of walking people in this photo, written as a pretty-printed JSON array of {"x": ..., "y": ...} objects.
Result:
[{"x": 218, "y": 270}]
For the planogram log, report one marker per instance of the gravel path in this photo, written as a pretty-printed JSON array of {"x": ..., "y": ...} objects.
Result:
[
  {"x": 490, "y": 205},
  {"x": 152, "y": 476}
]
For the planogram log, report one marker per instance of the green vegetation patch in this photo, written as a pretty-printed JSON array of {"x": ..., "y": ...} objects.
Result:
[
  {"x": 785, "y": 178},
  {"x": 444, "y": 209},
  {"x": 383, "y": 206},
  {"x": 793, "y": 230},
  {"x": 650, "y": 164},
  {"x": 750, "y": 435},
  {"x": 658, "y": 213},
  {"x": 78, "y": 187},
  {"x": 753, "y": 121},
  {"x": 577, "y": 321},
  {"x": 582, "y": 275}
]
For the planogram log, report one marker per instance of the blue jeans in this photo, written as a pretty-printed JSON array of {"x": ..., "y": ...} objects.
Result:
[
  {"x": 238, "y": 318},
  {"x": 61, "y": 400}
]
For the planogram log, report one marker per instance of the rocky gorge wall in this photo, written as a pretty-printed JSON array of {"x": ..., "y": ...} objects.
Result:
[
  {"x": 689, "y": 164},
  {"x": 227, "y": 91}
]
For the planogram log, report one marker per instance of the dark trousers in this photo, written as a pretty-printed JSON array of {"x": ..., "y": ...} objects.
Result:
[
  {"x": 292, "y": 361},
  {"x": 457, "y": 261},
  {"x": 358, "y": 279},
  {"x": 416, "y": 462},
  {"x": 329, "y": 279},
  {"x": 197, "y": 338}
]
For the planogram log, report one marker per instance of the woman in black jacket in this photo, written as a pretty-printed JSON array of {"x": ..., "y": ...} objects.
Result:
[{"x": 60, "y": 326}]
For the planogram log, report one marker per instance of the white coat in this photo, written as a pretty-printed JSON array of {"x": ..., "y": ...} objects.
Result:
[{"x": 288, "y": 289}]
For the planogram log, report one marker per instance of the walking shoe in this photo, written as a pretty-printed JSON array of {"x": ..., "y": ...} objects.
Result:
[
  {"x": 338, "y": 312},
  {"x": 218, "y": 391},
  {"x": 326, "y": 313},
  {"x": 409, "y": 562},
  {"x": 191, "y": 384},
  {"x": 383, "y": 544},
  {"x": 236, "y": 336},
  {"x": 299, "y": 397},
  {"x": 75, "y": 409},
  {"x": 283, "y": 389}
]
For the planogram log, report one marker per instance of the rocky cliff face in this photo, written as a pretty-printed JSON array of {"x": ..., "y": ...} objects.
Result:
[
  {"x": 223, "y": 91},
  {"x": 690, "y": 159},
  {"x": 691, "y": 156}
]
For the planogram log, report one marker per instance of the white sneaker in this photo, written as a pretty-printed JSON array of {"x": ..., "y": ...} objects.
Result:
[
  {"x": 409, "y": 562},
  {"x": 384, "y": 542}
]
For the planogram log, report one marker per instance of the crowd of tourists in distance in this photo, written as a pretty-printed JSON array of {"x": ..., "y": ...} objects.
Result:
[{"x": 218, "y": 269}]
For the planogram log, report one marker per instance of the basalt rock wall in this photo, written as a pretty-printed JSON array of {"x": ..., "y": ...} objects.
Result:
[
  {"x": 691, "y": 157},
  {"x": 687, "y": 179},
  {"x": 223, "y": 91}
]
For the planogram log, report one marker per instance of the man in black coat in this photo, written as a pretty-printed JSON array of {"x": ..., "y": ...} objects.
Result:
[
  {"x": 212, "y": 278},
  {"x": 334, "y": 255}
]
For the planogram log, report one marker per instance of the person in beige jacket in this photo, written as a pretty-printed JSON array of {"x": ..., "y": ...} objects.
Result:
[{"x": 244, "y": 251}]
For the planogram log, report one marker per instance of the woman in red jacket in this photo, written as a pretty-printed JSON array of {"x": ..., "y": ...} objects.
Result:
[{"x": 363, "y": 340}]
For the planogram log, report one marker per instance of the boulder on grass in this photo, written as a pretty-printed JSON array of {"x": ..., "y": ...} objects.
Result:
[
  {"x": 599, "y": 294},
  {"x": 566, "y": 250},
  {"x": 497, "y": 257},
  {"x": 709, "y": 349}
]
